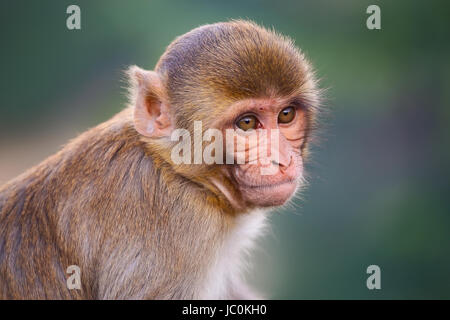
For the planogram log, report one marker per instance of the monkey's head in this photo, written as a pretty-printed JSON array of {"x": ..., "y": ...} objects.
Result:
[{"x": 235, "y": 77}]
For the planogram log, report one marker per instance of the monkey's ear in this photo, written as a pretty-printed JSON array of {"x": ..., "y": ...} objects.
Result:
[{"x": 152, "y": 116}]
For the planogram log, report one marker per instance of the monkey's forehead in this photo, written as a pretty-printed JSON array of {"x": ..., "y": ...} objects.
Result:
[{"x": 238, "y": 59}]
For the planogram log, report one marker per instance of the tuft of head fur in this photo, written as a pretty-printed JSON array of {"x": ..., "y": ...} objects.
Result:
[{"x": 212, "y": 66}]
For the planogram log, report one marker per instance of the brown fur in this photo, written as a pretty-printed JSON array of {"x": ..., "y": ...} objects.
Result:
[{"x": 112, "y": 202}]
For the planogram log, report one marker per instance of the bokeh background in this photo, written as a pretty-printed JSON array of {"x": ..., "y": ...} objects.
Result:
[{"x": 379, "y": 179}]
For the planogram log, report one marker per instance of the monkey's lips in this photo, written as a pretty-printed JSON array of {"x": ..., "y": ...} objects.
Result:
[
  {"x": 269, "y": 185},
  {"x": 269, "y": 194}
]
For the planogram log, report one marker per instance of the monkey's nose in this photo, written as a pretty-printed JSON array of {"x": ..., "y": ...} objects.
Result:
[{"x": 283, "y": 165}]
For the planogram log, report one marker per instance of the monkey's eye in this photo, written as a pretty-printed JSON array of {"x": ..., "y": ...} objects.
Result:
[
  {"x": 247, "y": 123},
  {"x": 286, "y": 115}
]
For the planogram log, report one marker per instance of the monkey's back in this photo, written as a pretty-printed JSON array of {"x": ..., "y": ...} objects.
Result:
[{"x": 40, "y": 232}]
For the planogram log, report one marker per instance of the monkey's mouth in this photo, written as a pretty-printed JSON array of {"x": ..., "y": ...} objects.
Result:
[
  {"x": 269, "y": 185},
  {"x": 269, "y": 194}
]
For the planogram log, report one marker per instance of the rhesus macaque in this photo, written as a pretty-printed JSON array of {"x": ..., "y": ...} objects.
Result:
[{"x": 140, "y": 226}]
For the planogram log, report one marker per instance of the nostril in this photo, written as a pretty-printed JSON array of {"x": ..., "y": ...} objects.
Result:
[{"x": 284, "y": 167}]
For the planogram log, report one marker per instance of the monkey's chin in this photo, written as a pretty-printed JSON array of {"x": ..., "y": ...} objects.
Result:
[{"x": 269, "y": 195}]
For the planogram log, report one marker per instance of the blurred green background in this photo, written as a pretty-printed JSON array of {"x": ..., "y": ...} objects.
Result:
[{"x": 379, "y": 179}]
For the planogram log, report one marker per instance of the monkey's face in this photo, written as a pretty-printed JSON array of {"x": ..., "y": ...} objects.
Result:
[
  {"x": 238, "y": 76},
  {"x": 267, "y": 148}
]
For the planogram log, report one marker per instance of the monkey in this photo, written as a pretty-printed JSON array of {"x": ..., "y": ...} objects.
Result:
[{"x": 138, "y": 225}]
